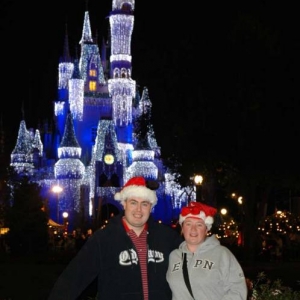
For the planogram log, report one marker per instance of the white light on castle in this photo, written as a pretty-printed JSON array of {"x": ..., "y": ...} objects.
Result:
[
  {"x": 117, "y": 4},
  {"x": 69, "y": 152},
  {"x": 37, "y": 143},
  {"x": 118, "y": 57},
  {"x": 59, "y": 108},
  {"x": 142, "y": 168},
  {"x": 65, "y": 71},
  {"x": 121, "y": 27},
  {"x": 69, "y": 167},
  {"x": 146, "y": 155},
  {"x": 86, "y": 30},
  {"x": 76, "y": 97},
  {"x": 122, "y": 91}
]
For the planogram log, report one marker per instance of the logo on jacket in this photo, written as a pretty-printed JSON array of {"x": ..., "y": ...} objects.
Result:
[
  {"x": 129, "y": 257},
  {"x": 199, "y": 263}
]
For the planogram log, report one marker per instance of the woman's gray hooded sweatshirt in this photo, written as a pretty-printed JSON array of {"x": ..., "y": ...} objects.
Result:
[{"x": 214, "y": 272}]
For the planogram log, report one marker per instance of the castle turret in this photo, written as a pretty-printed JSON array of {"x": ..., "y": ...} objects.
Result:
[
  {"x": 90, "y": 62},
  {"x": 65, "y": 71},
  {"x": 76, "y": 93},
  {"x": 69, "y": 171},
  {"x": 22, "y": 155},
  {"x": 121, "y": 86}
]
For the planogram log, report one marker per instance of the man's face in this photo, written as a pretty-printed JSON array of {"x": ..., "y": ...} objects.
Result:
[
  {"x": 194, "y": 231},
  {"x": 137, "y": 211}
]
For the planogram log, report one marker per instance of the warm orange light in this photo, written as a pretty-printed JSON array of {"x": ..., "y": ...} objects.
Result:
[
  {"x": 57, "y": 189},
  {"x": 198, "y": 179}
]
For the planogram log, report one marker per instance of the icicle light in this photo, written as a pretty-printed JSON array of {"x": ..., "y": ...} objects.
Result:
[
  {"x": 76, "y": 96},
  {"x": 69, "y": 152},
  {"x": 121, "y": 31},
  {"x": 69, "y": 168},
  {"x": 120, "y": 57},
  {"x": 65, "y": 71},
  {"x": 22, "y": 155},
  {"x": 59, "y": 108},
  {"x": 142, "y": 168},
  {"x": 145, "y": 155},
  {"x": 122, "y": 91},
  {"x": 37, "y": 143}
]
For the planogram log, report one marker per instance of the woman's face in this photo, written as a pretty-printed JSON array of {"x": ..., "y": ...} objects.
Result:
[{"x": 194, "y": 231}]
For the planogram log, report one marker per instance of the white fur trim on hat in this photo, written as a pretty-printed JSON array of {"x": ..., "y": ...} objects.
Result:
[
  {"x": 198, "y": 210},
  {"x": 136, "y": 191},
  {"x": 208, "y": 220}
]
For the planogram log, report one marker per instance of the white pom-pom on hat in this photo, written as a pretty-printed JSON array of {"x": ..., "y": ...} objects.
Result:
[{"x": 136, "y": 187}]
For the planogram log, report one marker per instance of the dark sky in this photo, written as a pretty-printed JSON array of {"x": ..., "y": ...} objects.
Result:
[{"x": 223, "y": 76}]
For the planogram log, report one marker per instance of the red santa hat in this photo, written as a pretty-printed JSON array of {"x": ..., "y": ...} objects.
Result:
[
  {"x": 138, "y": 187},
  {"x": 198, "y": 210}
]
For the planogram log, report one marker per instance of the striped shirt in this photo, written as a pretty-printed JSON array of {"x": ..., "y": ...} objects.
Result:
[{"x": 140, "y": 243}]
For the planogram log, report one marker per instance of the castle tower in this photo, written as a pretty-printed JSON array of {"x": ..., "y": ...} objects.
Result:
[
  {"x": 69, "y": 171},
  {"x": 121, "y": 86},
  {"x": 76, "y": 93},
  {"x": 107, "y": 164},
  {"x": 90, "y": 63},
  {"x": 65, "y": 71},
  {"x": 22, "y": 155}
]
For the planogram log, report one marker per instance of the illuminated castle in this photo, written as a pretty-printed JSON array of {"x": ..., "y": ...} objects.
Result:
[{"x": 103, "y": 134}]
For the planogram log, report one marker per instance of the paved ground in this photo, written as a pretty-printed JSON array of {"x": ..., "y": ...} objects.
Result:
[
  {"x": 32, "y": 278},
  {"x": 23, "y": 279}
]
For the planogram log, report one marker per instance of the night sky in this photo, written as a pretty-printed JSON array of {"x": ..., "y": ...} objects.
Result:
[{"x": 223, "y": 76}]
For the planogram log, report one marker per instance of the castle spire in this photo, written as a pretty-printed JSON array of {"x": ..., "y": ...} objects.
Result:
[
  {"x": 66, "y": 57},
  {"x": 21, "y": 156},
  {"x": 37, "y": 142},
  {"x": 69, "y": 139},
  {"x": 86, "y": 31}
]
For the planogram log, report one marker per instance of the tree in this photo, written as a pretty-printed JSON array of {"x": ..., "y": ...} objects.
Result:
[{"x": 27, "y": 219}]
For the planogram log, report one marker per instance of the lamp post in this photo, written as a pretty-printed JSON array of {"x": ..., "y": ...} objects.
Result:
[
  {"x": 65, "y": 216},
  {"x": 241, "y": 217},
  {"x": 198, "y": 179},
  {"x": 240, "y": 205},
  {"x": 57, "y": 190}
]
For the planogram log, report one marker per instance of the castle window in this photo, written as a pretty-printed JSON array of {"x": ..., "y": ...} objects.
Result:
[
  {"x": 93, "y": 73},
  {"x": 126, "y": 7},
  {"x": 116, "y": 73},
  {"x": 115, "y": 180},
  {"x": 102, "y": 180},
  {"x": 123, "y": 73},
  {"x": 92, "y": 86}
]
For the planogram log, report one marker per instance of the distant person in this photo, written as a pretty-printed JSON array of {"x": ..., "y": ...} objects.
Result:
[
  {"x": 80, "y": 239},
  {"x": 201, "y": 268},
  {"x": 129, "y": 256},
  {"x": 89, "y": 233}
]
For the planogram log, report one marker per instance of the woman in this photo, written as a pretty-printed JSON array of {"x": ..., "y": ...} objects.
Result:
[{"x": 212, "y": 271}]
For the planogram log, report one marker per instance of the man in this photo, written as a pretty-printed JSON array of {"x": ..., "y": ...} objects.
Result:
[{"x": 129, "y": 256}]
